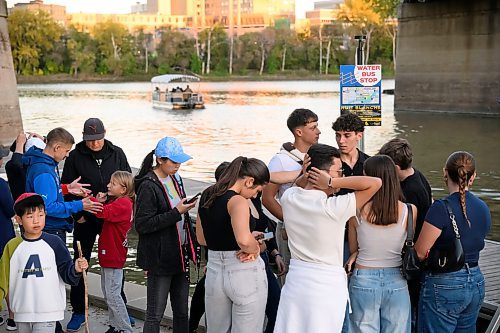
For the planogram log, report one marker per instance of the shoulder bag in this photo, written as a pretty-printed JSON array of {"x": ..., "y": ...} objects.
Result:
[
  {"x": 451, "y": 259},
  {"x": 411, "y": 264}
]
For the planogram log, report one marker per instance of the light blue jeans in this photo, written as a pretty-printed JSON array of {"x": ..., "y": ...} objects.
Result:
[
  {"x": 235, "y": 294},
  {"x": 450, "y": 302},
  {"x": 380, "y": 301},
  {"x": 111, "y": 285}
]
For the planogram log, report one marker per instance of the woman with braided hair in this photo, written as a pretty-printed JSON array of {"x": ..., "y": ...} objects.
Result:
[{"x": 450, "y": 302}]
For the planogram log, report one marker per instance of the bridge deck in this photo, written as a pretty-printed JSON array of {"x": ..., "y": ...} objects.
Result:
[
  {"x": 490, "y": 266},
  {"x": 489, "y": 262}
]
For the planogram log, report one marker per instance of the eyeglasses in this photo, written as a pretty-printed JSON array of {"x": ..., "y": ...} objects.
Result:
[{"x": 340, "y": 171}]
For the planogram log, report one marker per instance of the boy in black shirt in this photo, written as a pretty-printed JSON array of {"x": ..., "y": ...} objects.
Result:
[{"x": 417, "y": 191}]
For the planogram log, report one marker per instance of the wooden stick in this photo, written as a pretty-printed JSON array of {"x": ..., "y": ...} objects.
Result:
[{"x": 86, "y": 283}]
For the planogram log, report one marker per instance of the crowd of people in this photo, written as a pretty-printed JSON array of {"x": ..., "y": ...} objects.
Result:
[{"x": 333, "y": 220}]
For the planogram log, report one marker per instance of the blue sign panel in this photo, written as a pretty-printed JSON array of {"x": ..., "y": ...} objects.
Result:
[{"x": 361, "y": 91}]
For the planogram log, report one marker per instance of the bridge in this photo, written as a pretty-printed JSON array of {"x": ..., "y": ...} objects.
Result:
[{"x": 448, "y": 56}]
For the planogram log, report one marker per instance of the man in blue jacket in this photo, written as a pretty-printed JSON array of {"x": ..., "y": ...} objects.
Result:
[{"x": 42, "y": 177}]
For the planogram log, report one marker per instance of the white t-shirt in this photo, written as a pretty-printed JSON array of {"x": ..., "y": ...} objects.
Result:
[
  {"x": 315, "y": 224},
  {"x": 283, "y": 162},
  {"x": 174, "y": 199}
]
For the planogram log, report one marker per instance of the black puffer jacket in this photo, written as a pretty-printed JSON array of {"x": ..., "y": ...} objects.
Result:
[
  {"x": 94, "y": 171},
  {"x": 159, "y": 250}
]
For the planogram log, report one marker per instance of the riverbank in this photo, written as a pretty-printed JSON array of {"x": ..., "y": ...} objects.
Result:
[
  {"x": 93, "y": 78},
  {"x": 96, "y": 78}
]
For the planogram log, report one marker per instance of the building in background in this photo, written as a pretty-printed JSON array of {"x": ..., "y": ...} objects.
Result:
[
  {"x": 188, "y": 15},
  {"x": 57, "y": 12}
]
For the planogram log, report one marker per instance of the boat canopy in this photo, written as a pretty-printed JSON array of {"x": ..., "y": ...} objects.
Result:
[{"x": 167, "y": 78}]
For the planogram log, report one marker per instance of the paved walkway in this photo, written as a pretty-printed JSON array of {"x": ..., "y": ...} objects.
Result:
[{"x": 98, "y": 316}]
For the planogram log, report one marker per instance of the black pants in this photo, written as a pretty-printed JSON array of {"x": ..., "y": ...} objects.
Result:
[
  {"x": 158, "y": 289},
  {"x": 86, "y": 233},
  {"x": 197, "y": 305}
]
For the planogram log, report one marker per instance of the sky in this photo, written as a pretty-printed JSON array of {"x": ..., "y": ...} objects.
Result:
[{"x": 123, "y": 6}]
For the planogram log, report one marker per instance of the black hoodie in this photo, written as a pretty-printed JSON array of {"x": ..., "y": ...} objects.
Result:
[
  {"x": 159, "y": 250},
  {"x": 95, "y": 168}
]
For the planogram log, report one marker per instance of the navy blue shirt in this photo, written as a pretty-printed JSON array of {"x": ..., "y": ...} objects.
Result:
[{"x": 472, "y": 237}]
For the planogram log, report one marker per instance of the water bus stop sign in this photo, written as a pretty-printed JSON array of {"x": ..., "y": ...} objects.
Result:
[{"x": 360, "y": 92}]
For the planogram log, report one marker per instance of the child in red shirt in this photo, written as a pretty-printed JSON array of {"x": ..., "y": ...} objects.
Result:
[{"x": 117, "y": 215}]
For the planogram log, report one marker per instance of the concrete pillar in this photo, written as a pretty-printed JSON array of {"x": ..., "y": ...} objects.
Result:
[
  {"x": 11, "y": 122},
  {"x": 448, "y": 57}
]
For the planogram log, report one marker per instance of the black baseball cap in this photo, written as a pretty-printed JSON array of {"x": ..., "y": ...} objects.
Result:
[{"x": 93, "y": 129}]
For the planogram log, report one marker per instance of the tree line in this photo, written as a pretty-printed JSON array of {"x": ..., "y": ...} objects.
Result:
[{"x": 40, "y": 46}]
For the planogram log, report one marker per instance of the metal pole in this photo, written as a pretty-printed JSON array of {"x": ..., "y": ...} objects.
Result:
[{"x": 360, "y": 60}]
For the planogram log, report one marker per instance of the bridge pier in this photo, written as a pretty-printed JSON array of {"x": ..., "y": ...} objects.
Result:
[
  {"x": 11, "y": 122},
  {"x": 448, "y": 57}
]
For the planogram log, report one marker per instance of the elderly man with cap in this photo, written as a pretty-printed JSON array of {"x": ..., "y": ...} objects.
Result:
[{"x": 94, "y": 160}]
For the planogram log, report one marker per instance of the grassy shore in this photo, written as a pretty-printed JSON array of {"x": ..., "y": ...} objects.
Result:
[{"x": 66, "y": 78}]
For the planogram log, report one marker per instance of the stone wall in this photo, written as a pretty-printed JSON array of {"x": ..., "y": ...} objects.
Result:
[
  {"x": 448, "y": 57},
  {"x": 10, "y": 115}
]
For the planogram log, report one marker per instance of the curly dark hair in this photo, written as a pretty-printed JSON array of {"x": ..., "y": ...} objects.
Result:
[{"x": 349, "y": 122}]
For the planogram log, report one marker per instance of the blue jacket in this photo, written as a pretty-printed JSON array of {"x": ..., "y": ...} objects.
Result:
[
  {"x": 42, "y": 177},
  {"x": 6, "y": 213}
]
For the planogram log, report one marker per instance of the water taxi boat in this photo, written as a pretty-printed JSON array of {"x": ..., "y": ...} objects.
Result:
[{"x": 172, "y": 91}]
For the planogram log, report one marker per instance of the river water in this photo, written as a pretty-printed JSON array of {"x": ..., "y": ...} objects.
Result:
[{"x": 249, "y": 118}]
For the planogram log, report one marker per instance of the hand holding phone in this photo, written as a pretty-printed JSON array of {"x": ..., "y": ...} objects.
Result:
[
  {"x": 265, "y": 236},
  {"x": 193, "y": 199}
]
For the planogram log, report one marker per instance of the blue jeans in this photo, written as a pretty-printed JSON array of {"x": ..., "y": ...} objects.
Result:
[
  {"x": 111, "y": 285},
  {"x": 158, "y": 288},
  {"x": 450, "y": 302},
  {"x": 380, "y": 301}
]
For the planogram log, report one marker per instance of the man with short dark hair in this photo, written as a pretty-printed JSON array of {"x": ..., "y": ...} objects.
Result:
[
  {"x": 417, "y": 191},
  {"x": 303, "y": 124},
  {"x": 349, "y": 130},
  {"x": 94, "y": 160},
  {"x": 42, "y": 178},
  {"x": 414, "y": 185}
]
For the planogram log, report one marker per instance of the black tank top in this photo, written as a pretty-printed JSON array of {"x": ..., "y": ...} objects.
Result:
[{"x": 216, "y": 223}]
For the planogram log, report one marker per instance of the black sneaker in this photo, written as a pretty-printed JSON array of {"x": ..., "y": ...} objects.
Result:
[
  {"x": 2, "y": 321},
  {"x": 111, "y": 329},
  {"x": 11, "y": 325}
]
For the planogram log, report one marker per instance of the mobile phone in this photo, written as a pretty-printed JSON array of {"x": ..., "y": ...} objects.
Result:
[
  {"x": 348, "y": 268},
  {"x": 193, "y": 199},
  {"x": 265, "y": 236}
]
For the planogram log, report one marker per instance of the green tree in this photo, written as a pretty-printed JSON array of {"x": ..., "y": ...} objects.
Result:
[
  {"x": 81, "y": 52},
  {"x": 175, "y": 50},
  {"x": 246, "y": 52},
  {"x": 215, "y": 46},
  {"x": 362, "y": 16},
  {"x": 33, "y": 36},
  {"x": 267, "y": 38},
  {"x": 387, "y": 9},
  {"x": 115, "y": 49}
]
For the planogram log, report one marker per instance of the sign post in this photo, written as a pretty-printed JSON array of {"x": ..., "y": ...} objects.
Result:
[{"x": 360, "y": 93}]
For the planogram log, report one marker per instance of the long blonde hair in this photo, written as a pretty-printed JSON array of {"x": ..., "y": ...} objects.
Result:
[{"x": 125, "y": 179}]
